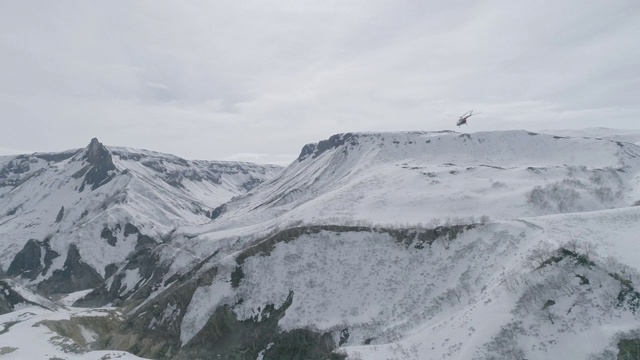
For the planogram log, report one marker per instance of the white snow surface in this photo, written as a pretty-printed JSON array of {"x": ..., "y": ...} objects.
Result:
[{"x": 69, "y": 299}]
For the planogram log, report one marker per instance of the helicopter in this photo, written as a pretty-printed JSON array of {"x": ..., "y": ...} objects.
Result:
[{"x": 464, "y": 117}]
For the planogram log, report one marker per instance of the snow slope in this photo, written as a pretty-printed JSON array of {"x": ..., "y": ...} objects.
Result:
[
  {"x": 478, "y": 295},
  {"x": 481, "y": 295},
  {"x": 493, "y": 320},
  {"x": 435, "y": 177}
]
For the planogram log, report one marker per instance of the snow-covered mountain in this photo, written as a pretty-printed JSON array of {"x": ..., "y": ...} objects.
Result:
[
  {"x": 370, "y": 240},
  {"x": 69, "y": 219},
  {"x": 428, "y": 177},
  {"x": 411, "y": 245}
]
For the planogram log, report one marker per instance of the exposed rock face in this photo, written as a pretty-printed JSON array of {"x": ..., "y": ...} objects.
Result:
[
  {"x": 215, "y": 213},
  {"x": 101, "y": 164},
  {"x": 307, "y": 151},
  {"x": 143, "y": 262},
  {"x": 148, "y": 332},
  {"x": 251, "y": 183},
  {"x": 129, "y": 229},
  {"x": 15, "y": 171},
  {"x": 19, "y": 165},
  {"x": 333, "y": 142},
  {"x": 76, "y": 275},
  {"x": 28, "y": 263},
  {"x": 143, "y": 241},
  {"x": 22, "y": 167},
  {"x": 9, "y": 298},
  {"x": 224, "y": 334},
  {"x": 97, "y": 153},
  {"x": 108, "y": 235},
  {"x": 60, "y": 214}
]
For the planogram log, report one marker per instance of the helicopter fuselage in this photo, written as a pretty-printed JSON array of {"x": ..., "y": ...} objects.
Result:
[{"x": 464, "y": 117}]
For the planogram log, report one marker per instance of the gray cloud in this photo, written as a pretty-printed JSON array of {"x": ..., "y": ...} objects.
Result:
[{"x": 216, "y": 80}]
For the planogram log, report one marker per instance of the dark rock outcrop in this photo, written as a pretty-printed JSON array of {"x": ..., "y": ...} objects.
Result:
[
  {"x": 251, "y": 183},
  {"x": 129, "y": 229},
  {"x": 307, "y": 151},
  {"x": 151, "y": 333},
  {"x": 107, "y": 234},
  {"x": 333, "y": 142},
  {"x": 9, "y": 298},
  {"x": 27, "y": 263},
  {"x": 215, "y": 213},
  {"x": 143, "y": 261},
  {"x": 60, "y": 215},
  {"x": 143, "y": 241},
  {"x": 75, "y": 275},
  {"x": 19, "y": 165},
  {"x": 101, "y": 163},
  {"x": 110, "y": 270}
]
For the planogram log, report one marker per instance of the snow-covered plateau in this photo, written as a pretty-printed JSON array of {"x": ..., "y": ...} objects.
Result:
[{"x": 404, "y": 245}]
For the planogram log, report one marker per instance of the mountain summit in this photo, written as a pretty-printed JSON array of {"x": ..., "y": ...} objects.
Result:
[
  {"x": 101, "y": 164},
  {"x": 97, "y": 154}
]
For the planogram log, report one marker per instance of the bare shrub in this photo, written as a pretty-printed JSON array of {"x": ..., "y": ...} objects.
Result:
[
  {"x": 557, "y": 196},
  {"x": 539, "y": 255}
]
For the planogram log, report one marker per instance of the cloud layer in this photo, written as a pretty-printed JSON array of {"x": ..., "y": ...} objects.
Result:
[{"x": 256, "y": 80}]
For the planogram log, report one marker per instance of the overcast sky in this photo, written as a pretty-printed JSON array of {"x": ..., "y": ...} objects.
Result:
[{"x": 256, "y": 80}]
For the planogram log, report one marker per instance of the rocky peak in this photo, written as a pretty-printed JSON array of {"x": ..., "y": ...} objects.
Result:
[
  {"x": 97, "y": 153},
  {"x": 100, "y": 164},
  {"x": 333, "y": 142}
]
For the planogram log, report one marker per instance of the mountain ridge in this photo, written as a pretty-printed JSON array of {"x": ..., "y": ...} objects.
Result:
[
  {"x": 377, "y": 245},
  {"x": 94, "y": 193}
]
